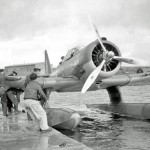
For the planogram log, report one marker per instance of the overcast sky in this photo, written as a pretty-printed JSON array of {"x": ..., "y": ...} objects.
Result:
[{"x": 28, "y": 27}]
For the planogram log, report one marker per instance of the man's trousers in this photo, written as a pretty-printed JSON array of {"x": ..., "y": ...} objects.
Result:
[{"x": 36, "y": 111}]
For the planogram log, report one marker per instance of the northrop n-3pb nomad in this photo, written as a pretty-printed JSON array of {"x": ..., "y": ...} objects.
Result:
[{"x": 91, "y": 68}]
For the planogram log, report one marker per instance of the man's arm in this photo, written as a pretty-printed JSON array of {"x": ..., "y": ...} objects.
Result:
[
  {"x": 27, "y": 80},
  {"x": 41, "y": 93}
]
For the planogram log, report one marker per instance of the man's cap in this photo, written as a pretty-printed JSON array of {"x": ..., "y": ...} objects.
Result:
[
  {"x": 37, "y": 69},
  {"x": 15, "y": 72},
  {"x": 33, "y": 76}
]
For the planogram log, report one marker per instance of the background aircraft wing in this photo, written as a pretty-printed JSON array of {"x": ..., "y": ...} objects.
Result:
[{"x": 125, "y": 79}]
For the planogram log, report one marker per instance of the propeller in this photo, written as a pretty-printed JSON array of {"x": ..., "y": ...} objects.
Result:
[
  {"x": 97, "y": 34},
  {"x": 129, "y": 60},
  {"x": 107, "y": 55},
  {"x": 123, "y": 59},
  {"x": 91, "y": 78}
]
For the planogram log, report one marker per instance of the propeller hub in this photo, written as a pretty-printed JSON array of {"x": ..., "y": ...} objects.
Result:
[
  {"x": 108, "y": 55},
  {"x": 111, "y": 54}
]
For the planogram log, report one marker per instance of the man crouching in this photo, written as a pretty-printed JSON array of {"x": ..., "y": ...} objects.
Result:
[{"x": 32, "y": 93}]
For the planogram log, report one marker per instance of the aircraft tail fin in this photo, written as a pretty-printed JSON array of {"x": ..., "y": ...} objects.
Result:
[{"x": 48, "y": 68}]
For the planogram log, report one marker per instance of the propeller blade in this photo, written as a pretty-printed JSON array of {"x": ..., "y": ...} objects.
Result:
[
  {"x": 97, "y": 34},
  {"x": 92, "y": 77},
  {"x": 129, "y": 60}
]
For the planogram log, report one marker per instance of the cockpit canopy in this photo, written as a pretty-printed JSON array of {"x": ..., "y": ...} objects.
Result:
[{"x": 72, "y": 52}]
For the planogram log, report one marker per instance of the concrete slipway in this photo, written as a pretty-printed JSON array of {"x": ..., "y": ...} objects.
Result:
[{"x": 15, "y": 135}]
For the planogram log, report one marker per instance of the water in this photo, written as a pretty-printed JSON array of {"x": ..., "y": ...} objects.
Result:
[{"x": 102, "y": 130}]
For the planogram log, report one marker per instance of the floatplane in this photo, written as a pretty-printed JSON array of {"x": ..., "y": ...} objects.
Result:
[{"x": 88, "y": 68}]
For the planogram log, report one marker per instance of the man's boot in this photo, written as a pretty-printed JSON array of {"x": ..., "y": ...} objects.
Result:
[{"x": 4, "y": 104}]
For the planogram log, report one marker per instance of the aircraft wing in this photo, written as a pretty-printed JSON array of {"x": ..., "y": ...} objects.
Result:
[
  {"x": 60, "y": 84},
  {"x": 125, "y": 79},
  {"x": 71, "y": 84},
  {"x": 11, "y": 78}
]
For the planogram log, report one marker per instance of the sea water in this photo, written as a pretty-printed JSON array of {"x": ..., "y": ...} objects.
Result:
[{"x": 102, "y": 130}]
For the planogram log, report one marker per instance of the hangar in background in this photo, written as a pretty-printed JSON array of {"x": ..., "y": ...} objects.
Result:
[{"x": 24, "y": 69}]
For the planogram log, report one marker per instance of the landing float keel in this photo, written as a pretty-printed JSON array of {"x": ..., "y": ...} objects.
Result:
[
  {"x": 135, "y": 110},
  {"x": 117, "y": 106},
  {"x": 60, "y": 118}
]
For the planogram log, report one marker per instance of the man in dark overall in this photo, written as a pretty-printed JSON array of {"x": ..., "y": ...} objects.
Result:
[
  {"x": 11, "y": 97},
  {"x": 4, "y": 100},
  {"x": 14, "y": 98}
]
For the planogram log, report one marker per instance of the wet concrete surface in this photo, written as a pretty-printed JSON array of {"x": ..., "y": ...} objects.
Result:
[{"x": 17, "y": 133}]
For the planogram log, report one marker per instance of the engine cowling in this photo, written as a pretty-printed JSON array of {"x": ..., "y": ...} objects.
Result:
[
  {"x": 111, "y": 66},
  {"x": 92, "y": 57}
]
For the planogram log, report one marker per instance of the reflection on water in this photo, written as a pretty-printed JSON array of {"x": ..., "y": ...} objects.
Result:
[
  {"x": 99, "y": 130},
  {"x": 8, "y": 126},
  {"x": 102, "y": 134},
  {"x": 113, "y": 134},
  {"x": 76, "y": 134},
  {"x": 15, "y": 136}
]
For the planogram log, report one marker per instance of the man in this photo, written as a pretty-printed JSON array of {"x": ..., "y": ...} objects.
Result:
[
  {"x": 14, "y": 73},
  {"x": 4, "y": 104},
  {"x": 9, "y": 97},
  {"x": 13, "y": 96},
  {"x": 35, "y": 70},
  {"x": 27, "y": 80},
  {"x": 32, "y": 104}
]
